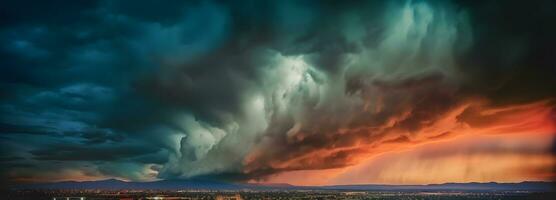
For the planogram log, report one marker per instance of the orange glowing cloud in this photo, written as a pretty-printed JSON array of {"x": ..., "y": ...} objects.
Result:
[
  {"x": 469, "y": 158},
  {"x": 471, "y": 142}
]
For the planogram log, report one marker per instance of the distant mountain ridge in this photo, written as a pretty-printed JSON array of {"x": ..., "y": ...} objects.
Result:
[
  {"x": 114, "y": 184},
  {"x": 472, "y": 186}
]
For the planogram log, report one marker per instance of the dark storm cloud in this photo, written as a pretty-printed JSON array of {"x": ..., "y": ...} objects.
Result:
[
  {"x": 108, "y": 152},
  {"x": 512, "y": 56},
  {"x": 67, "y": 69},
  {"x": 408, "y": 107},
  {"x": 26, "y": 129},
  {"x": 211, "y": 88}
]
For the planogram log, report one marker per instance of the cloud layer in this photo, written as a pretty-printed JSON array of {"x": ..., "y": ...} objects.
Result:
[{"x": 242, "y": 91}]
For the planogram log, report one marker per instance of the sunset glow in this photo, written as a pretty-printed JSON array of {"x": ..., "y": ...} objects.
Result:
[{"x": 514, "y": 146}]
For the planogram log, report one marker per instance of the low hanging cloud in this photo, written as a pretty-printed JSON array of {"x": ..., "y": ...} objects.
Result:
[{"x": 247, "y": 91}]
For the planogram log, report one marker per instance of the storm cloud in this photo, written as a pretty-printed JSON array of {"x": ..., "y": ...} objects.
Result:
[{"x": 157, "y": 90}]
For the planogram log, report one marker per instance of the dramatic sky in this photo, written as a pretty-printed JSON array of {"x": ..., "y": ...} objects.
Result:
[{"x": 301, "y": 92}]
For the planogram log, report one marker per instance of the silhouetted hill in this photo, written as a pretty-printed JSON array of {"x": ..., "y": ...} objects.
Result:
[
  {"x": 115, "y": 184},
  {"x": 491, "y": 186}
]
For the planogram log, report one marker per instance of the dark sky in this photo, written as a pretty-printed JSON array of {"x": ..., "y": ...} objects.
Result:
[{"x": 144, "y": 90}]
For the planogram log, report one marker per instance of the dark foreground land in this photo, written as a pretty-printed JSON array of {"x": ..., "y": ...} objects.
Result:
[{"x": 237, "y": 195}]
